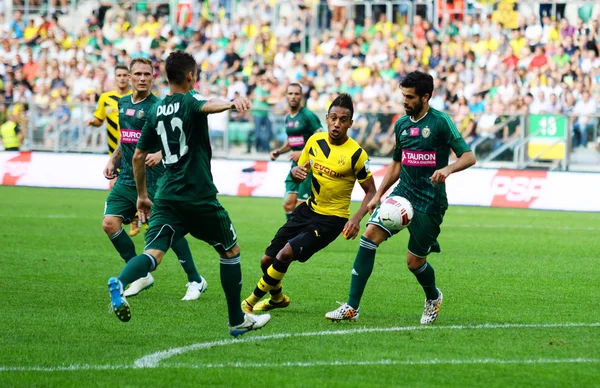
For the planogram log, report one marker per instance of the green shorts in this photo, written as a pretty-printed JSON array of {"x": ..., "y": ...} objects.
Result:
[
  {"x": 122, "y": 202},
  {"x": 424, "y": 230},
  {"x": 206, "y": 220},
  {"x": 302, "y": 189}
]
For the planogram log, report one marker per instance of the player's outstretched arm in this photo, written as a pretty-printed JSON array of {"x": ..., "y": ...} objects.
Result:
[
  {"x": 391, "y": 176},
  {"x": 282, "y": 150},
  {"x": 352, "y": 227},
  {"x": 466, "y": 160},
  {"x": 241, "y": 104},
  {"x": 95, "y": 122}
]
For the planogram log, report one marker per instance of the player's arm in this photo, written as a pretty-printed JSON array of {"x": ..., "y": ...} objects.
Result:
[
  {"x": 148, "y": 141},
  {"x": 300, "y": 172},
  {"x": 241, "y": 104},
  {"x": 281, "y": 150},
  {"x": 109, "y": 170},
  {"x": 466, "y": 158},
  {"x": 99, "y": 114},
  {"x": 352, "y": 227}
]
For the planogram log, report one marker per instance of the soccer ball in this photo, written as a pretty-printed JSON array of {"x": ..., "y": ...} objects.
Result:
[{"x": 396, "y": 213}]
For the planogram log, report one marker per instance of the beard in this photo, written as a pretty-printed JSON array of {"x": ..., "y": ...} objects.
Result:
[{"x": 416, "y": 109}]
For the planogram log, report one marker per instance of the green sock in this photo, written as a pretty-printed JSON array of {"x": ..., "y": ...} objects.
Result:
[
  {"x": 136, "y": 268},
  {"x": 362, "y": 269},
  {"x": 184, "y": 255},
  {"x": 288, "y": 215},
  {"x": 426, "y": 277},
  {"x": 123, "y": 245},
  {"x": 231, "y": 280}
]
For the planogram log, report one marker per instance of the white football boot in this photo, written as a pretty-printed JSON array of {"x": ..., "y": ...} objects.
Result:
[
  {"x": 431, "y": 309},
  {"x": 251, "y": 322},
  {"x": 343, "y": 313},
  {"x": 139, "y": 285},
  {"x": 195, "y": 289}
]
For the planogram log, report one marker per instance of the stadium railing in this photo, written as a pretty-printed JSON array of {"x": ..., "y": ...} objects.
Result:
[{"x": 516, "y": 141}]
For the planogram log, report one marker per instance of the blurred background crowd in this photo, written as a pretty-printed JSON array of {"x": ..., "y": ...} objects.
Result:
[{"x": 495, "y": 64}]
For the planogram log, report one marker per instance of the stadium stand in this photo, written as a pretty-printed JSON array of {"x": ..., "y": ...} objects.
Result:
[{"x": 508, "y": 74}]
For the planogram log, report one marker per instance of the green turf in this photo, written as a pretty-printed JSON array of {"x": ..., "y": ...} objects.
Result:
[{"x": 498, "y": 266}]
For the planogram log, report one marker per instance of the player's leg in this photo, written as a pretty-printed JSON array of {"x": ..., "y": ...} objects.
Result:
[
  {"x": 424, "y": 230},
  {"x": 119, "y": 209},
  {"x": 317, "y": 232},
  {"x": 362, "y": 268},
  {"x": 136, "y": 268},
  {"x": 196, "y": 284},
  {"x": 217, "y": 229},
  {"x": 277, "y": 298},
  {"x": 164, "y": 229},
  {"x": 291, "y": 196},
  {"x": 288, "y": 231}
]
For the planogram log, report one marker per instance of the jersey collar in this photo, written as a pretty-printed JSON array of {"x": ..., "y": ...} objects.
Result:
[{"x": 416, "y": 121}]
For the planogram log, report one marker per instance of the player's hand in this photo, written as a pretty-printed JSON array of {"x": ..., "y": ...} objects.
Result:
[
  {"x": 274, "y": 154},
  {"x": 295, "y": 156},
  {"x": 439, "y": 176},
  {"x": 241, "y": 104},
  {"x": 109, "y": 170},
  {"x": 143, "y": 206},
  {"x": 301, "y": 172},
  {"x": 351, "y": 229},
  {"x": 373, "y": 203},
  {"x": 153, "y": 159}
]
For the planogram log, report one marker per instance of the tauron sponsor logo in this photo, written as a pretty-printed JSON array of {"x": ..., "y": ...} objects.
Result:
[
  {"x": 327, "y": 170},
  {"x": 296, "y": 141},
  {"x": 419, "y": 158},
  {"x": 130, "y": 135}
]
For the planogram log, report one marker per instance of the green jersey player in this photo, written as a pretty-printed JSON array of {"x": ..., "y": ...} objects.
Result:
[
  {"x": 120, "y": 207},
  {"x": 424, "y": 138},
  {"x": 300, "y": 124},
  {"x": 185, "y": 200}
]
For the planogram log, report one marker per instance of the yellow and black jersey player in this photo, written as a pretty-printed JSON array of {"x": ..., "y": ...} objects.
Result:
[
  {"x": 107, "y": 108},
  {"x": 336, "y": 162}
]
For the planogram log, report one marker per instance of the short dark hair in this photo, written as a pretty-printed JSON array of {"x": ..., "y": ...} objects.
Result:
[
  {"x": 121, "y": 66},
  {"x": 422, "y": 82},
  {"x": 344, "y": 100},
  {"x": 179, "y": 64},
  {"x": 296, "y": 85}
]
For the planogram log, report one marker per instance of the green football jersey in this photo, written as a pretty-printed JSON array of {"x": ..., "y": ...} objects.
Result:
[
  {"x": 300, "y": 127},
  {"x": 423, "y": 146},
  {"x": 178, "y": 126},
  {"x": 132, "y": 117}
]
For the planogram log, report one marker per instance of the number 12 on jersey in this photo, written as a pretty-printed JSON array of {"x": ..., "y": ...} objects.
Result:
[{"x": 176, "y": 124}]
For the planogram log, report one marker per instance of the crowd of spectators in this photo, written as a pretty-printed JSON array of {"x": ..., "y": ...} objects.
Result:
[{"x": 485, "y": 74}]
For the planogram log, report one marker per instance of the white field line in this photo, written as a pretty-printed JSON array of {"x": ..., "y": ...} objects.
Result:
[
  {"x": 154, "y": 359},
  {"x": 444, "y": 226},
  {"x": 301, "y": 364}
]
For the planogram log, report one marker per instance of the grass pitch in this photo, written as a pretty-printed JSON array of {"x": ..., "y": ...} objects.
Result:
[{"x": 520, "y": 305}]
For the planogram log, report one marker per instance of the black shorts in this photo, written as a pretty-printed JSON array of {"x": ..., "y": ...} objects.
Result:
[{"x": 307, "y": 232}]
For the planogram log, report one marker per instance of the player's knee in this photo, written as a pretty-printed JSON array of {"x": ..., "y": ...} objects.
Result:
[
  {"x": 111, "y": 225},
  {"x": 286, "y": 255},
  {"x": 265, "y": 262},
  {"x": 231, "y": 252},
  {"x": 157, "y": 254},
  {"x": 414, "y": 262},
  {"x": 376, "y": 234},
  {"x": 289, "y": 206}
]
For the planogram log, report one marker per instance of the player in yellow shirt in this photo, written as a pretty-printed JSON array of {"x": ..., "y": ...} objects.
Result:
[
  {"x": 337, "y": 162},
  {"x": 107, "y": 110}
]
